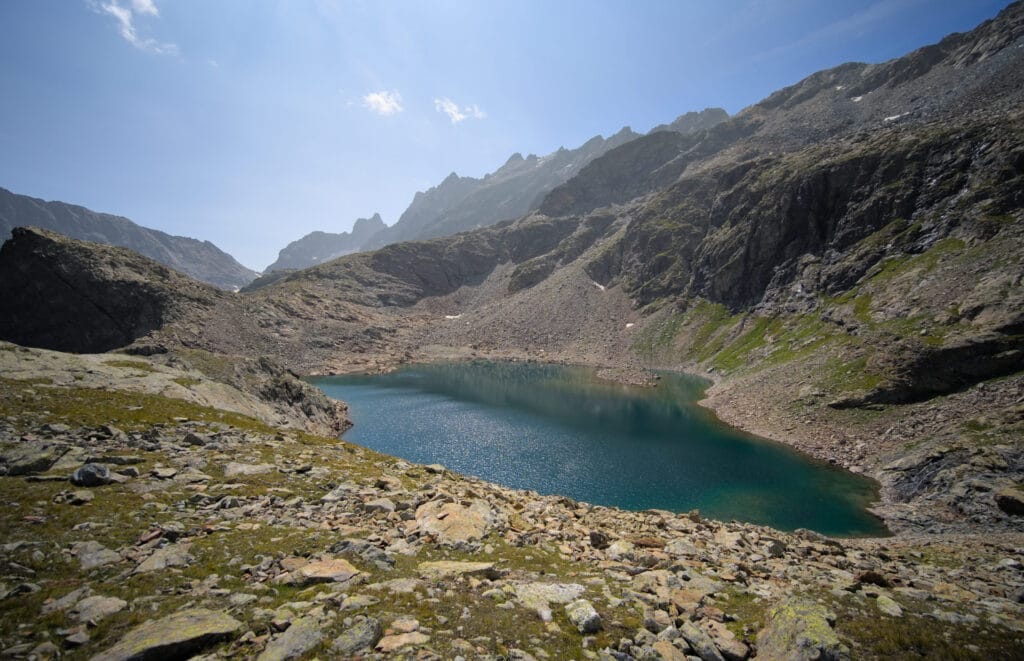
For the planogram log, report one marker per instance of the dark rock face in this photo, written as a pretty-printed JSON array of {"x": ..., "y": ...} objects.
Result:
[
  {"x": 57, "y": 293},
  {"x": 91, "y": 475},
  {"x": 200, "y": 259},
  {"x": 736, "y": 235},
  {"x": 319, "y": 247}
]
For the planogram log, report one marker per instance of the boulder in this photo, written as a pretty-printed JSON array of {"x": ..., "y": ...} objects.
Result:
[
  {"x": 324, "y": 570},
  {"x": 303, "y": 635},
  {"x": 1011, "y": 501},
  {"x": 91, "y": 475},
  {"x": 92, "y": 554},
  {"x": 453, "y": 523},
  {"x": 31, "y": 457},
  {"x": 177, "y": 636},
  {"x": 363, "y": 635},
  {"x": 888, "y": 606},
  {"x": 172, "y": 555},
  {"x": 95, "y": 608},
  {"x": 451, "y": 568},
  {"x": 701, "y": 642},
  {"x": 799, "y": 630},
  {"x": 389, "y": 644},
  {"x": 583, "y": 616}
]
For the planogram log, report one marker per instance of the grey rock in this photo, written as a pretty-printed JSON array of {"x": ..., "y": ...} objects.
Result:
[
  {"x": 30, "y": 457},
  {"x": 91, "y": 475},
  {"x": 385, "y": 505},
  {"x": 95, "y": 608},
  {"x": 176, "y": 636},
  {"x": 583, "y": 616},
  {"x": 363, "y": 635},
  {"x": 92, "y": 554},
  {"x": 172, "y": 555},
  {"x": 65, "y": 602},
  {"x": 79, "y": 497},
  {"x": 303, "y": 635},
  {"x": 192, "y": 438},
  {"x": 364, "y": 550},
  {"x": 888, "y": 606},
  {"x": 700, "y": 642}
]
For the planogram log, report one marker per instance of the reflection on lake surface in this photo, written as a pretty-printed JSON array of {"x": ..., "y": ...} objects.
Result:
[{"x": 559, "y": 430}]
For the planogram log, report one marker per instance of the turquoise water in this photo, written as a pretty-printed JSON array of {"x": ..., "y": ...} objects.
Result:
[{"x": 559, "y": 430}]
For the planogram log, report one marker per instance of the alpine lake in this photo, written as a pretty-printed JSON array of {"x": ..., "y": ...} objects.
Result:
[{"x": 561, "y": 430}]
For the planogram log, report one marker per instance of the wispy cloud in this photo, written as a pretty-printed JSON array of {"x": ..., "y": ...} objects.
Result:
[
  {"x": 125, "y": 14},
  {"x": 456, "y": 114},
  {"x": 384, "y": 102}
]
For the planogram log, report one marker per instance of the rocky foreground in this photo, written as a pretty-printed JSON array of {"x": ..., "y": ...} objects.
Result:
[{"x": 138, "y": 525}]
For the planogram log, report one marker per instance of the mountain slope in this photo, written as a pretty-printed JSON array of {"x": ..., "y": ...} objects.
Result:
[
  {"x": 462, "y": 203},
  {"x": 319, "y": 247},
  {"x": 199, "y": 259}
]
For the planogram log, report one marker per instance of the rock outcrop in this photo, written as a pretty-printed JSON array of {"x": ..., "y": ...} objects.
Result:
[{"x": 58, "y": 293}]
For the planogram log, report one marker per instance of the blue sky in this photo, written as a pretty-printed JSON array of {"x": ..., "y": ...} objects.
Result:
[{"x": 253, "y": 122}]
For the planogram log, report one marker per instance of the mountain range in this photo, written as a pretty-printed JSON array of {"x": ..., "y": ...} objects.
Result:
[
  {"x": 459, "y": 203},
  {"x": 200, "y": 259},
  {"x": 319, "y": 247}
]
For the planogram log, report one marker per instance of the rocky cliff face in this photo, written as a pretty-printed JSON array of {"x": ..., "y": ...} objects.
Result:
[
  {"x": 319, "y": 247},
  {"x": 58, "y": 293},
  {"x": 200, "y": 259}
]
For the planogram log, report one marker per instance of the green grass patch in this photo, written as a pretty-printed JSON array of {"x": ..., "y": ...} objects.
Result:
[
  {"x": 93, "y": 407},
  {"x": 736, "y": 353}
]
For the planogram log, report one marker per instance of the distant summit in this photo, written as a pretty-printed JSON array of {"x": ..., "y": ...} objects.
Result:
[
  {"x": 692, "y": 122},
  {"x": 200, "y": 259},
  {"x": 319, "y": 247},
  {"x": 459, "y": 204}
]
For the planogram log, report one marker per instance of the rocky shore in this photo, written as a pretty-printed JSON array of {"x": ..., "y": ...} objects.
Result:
[{"x": 139, "y": 526}]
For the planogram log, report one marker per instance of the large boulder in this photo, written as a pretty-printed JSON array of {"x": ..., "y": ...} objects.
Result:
[
  {"x": 799, "y": 630},
  {"x": 177, "y": 636},
  {"x": 454, "y": 523}
]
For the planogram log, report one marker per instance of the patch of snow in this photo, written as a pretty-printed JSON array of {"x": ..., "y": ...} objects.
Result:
[
  {"x": 893, "y": 118},
  {"x": 599, "y": 286},
  {"x": 856, "y": 99},
  {"x": 452, "y": 316},
  {"x": 839, "y": 87},
  {"x": 630, "y": 325}
]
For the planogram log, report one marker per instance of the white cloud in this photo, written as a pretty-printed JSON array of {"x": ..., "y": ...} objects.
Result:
[
  {"x": 125, "y": 16},
  {"x": 383, "y": 102},
  {"x": 456, "y": 114},
  {"x": 145, "y": 7}
]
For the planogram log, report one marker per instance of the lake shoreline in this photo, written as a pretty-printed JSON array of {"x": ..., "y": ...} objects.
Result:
[{"x": 390, "y": 440}]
